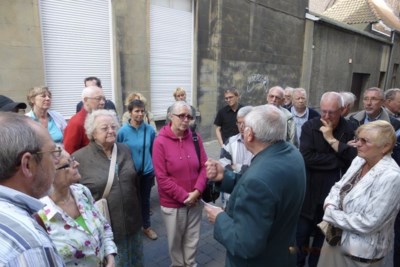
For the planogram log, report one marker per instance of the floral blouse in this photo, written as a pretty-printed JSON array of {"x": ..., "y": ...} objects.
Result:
[{"x": 77, "y": 246}]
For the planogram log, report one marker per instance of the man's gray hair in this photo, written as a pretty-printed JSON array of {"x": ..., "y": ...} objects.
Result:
[
  {"x": 333, "y": 95},
  {"x": 268, "y": 123},
  {"x": 376, "y": 89},
  {"x": 17, "y": 136},
  {"x": 91, "y": 124},
  {"x": 391, "y": 93},
  {"x": 88, "y": 91},
  {"x": 243, "y": 111},
  {"x": 348, "y": 98}
]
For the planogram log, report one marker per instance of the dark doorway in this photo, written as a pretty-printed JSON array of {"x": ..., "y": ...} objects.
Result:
[
  {"x": 394, "y": 75},
  {"x": 358, "y": 84}
]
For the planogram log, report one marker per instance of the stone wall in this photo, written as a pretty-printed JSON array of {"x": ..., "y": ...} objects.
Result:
[{"x": 21, "y": 54}]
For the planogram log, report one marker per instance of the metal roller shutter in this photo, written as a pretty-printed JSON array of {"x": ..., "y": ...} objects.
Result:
[
  {"x": 171, "y": 52},
  {"x": 77, "y": 43}
]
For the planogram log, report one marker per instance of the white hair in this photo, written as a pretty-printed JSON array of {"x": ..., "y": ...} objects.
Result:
[{"x": 91, "y": 124}]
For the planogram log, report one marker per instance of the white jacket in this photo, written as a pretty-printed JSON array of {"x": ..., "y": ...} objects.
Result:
[{"x": 369, "y": 209}]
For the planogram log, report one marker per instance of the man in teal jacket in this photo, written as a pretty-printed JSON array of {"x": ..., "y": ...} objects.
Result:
[{"x": 259, "y": 225}]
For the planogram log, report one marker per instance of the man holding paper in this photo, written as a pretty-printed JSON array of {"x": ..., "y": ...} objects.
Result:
[{"x": 259, "y": 225}]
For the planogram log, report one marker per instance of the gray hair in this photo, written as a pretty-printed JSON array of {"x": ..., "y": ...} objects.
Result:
[
  {"x": 17, "y": 136},
  {"x": 91, "y": 124},
  {"x": 88, "y": 91},
  {"x": 299, "y": 89},
  {"x": 348, "y": 98},
  {"x": 280, "y": 89},
  {"x": 376, "y": 89},
  {"x": 177, "y": 105},
  {"x": 333, "y": 95},
  {"x": 391, "y": 93},
  {"x": 268, "y": 123},
  {"x": 243, "y": 111}
]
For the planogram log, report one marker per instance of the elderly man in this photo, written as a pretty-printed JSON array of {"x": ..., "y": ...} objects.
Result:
[
  {"x": 348, "y": 102},
  {"x": 234, "y": 155},
  {"x": 28, "y": 157},
  {"x": 288, "y": 101},
  {"x": 373, "y": 110},
  {"x": 74, "y": 134},
  {"x": 94, "y": 81},
  {"x": 301, "y": 113},
  {"x": 392, "y": 102},
  {"x": 275, "y": 96},
  {"x": 259, "y": 225},
  {"x": 323, "y": 144}
]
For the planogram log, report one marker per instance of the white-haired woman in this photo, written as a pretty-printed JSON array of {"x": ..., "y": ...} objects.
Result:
[
  {"x": 123, "y": 199},
  {"x": 363, "y": 205}
]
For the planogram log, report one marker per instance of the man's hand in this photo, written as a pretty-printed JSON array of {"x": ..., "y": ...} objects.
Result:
[
  {"x": 215, "y": 171},
  {"x": 327, "y": 130},
  {"x": 212, "y": 212}
]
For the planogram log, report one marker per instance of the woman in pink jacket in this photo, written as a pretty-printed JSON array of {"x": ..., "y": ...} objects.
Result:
[{"x": 181, "y": 179}]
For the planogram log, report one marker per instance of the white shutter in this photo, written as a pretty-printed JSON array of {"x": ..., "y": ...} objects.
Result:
[
  {"x": 77, "y": 43},
  {"x": 171, "y": 53}
]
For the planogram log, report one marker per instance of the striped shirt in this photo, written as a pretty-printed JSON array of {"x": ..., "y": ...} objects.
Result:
[{"x": 23, "y": 242}]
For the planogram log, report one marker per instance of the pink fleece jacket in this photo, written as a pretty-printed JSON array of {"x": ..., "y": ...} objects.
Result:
[{"x": 177, "y": 167}]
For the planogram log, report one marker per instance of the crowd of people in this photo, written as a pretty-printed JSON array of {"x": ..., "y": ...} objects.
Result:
[{"x": 299, "y": 186}]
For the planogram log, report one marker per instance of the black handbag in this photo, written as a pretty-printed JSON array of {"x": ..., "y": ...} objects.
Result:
[{"x": 211, "y": 192}]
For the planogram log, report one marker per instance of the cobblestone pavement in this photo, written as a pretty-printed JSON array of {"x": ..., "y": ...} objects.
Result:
[{"x": 209, "y": 254}]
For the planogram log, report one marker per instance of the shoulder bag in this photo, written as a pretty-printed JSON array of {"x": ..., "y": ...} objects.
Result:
[
  {"x": 211, "y": 192},
  {"x": 102, "y": 204}
]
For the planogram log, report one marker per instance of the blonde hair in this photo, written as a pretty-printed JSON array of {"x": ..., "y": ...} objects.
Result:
[
  {"x": 37, "y": 90},
  {"x": 384, "y": 131},
  {"x": 179, "y": 90},
  {"x": 133, "y": 96}
]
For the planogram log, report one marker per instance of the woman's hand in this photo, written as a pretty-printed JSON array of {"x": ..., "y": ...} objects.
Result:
[
  {"x": 192, "y": 198},
  {"x": 110, "y": 260}
]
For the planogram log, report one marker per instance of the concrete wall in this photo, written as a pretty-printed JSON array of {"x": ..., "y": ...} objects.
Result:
[
  {"x": 337, "y": 54},
  {"x": 21, "y": 54},
  {"x": 132, "y": 24},
  {"x": 248, "y": 46},
  {"x": 393, "y": 78}
]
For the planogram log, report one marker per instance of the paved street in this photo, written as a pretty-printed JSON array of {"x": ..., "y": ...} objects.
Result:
[{"x": 210, "y": 253}]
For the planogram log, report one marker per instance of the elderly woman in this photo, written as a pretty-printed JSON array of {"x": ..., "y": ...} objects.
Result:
[
  {"x": 180, "y": 95},
  {"x": 123, "y": 198},
  {"x": 39, "y": 98},
  {"x": 148, "y": 116},
  {"x": 80, "y": 233},
  {"x": 181, "y": 179},
  {"x": 365, "y": 202}
]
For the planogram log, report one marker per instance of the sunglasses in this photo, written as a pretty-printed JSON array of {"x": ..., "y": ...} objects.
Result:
[{"x": 183, "y": 116}]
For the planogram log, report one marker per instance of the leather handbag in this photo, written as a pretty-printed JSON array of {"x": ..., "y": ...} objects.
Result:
[
  {"x": 333, "y": 234},
  {"x": 102, "y": 204}
]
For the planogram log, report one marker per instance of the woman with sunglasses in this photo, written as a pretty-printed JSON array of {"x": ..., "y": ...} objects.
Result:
[
  {"x": 80, "y": 233},
  {"x": 181, "y": 179},
  {"x": 361, "y": 208}
]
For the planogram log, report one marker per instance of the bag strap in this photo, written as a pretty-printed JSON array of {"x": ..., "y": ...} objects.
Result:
[
  {"x": 144, "y": 144},
  {"x": 111, "y": 172},
  {"x": 196, "y": 145}
]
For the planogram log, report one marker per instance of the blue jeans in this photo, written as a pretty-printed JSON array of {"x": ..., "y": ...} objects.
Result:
[
  {"x": 146, "y": 183},
  {"x": 305, "y": 229}
]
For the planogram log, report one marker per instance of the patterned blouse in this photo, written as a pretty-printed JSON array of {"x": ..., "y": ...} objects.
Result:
[{"x": 77, "y": 246}]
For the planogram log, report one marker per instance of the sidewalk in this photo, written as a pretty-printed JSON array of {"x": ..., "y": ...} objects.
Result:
[{"x": 209, "y": 254}]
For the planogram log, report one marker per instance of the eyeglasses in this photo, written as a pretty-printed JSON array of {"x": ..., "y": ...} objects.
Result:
[
  {"x": 70, "y": 163},
  {"x": 98, "y": 98},
  {"x": 105, "y": 128},
  {"x": 55, "y": 153},
  {"x": 372, "y": 99},
  {"x": 183, "y": 116}
]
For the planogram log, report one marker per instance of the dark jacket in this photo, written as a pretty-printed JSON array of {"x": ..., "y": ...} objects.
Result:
[
  {"x": 324, "y": 165},
  {"x": 260, "y": 222},
  {"x": 123, "y": 200}
]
